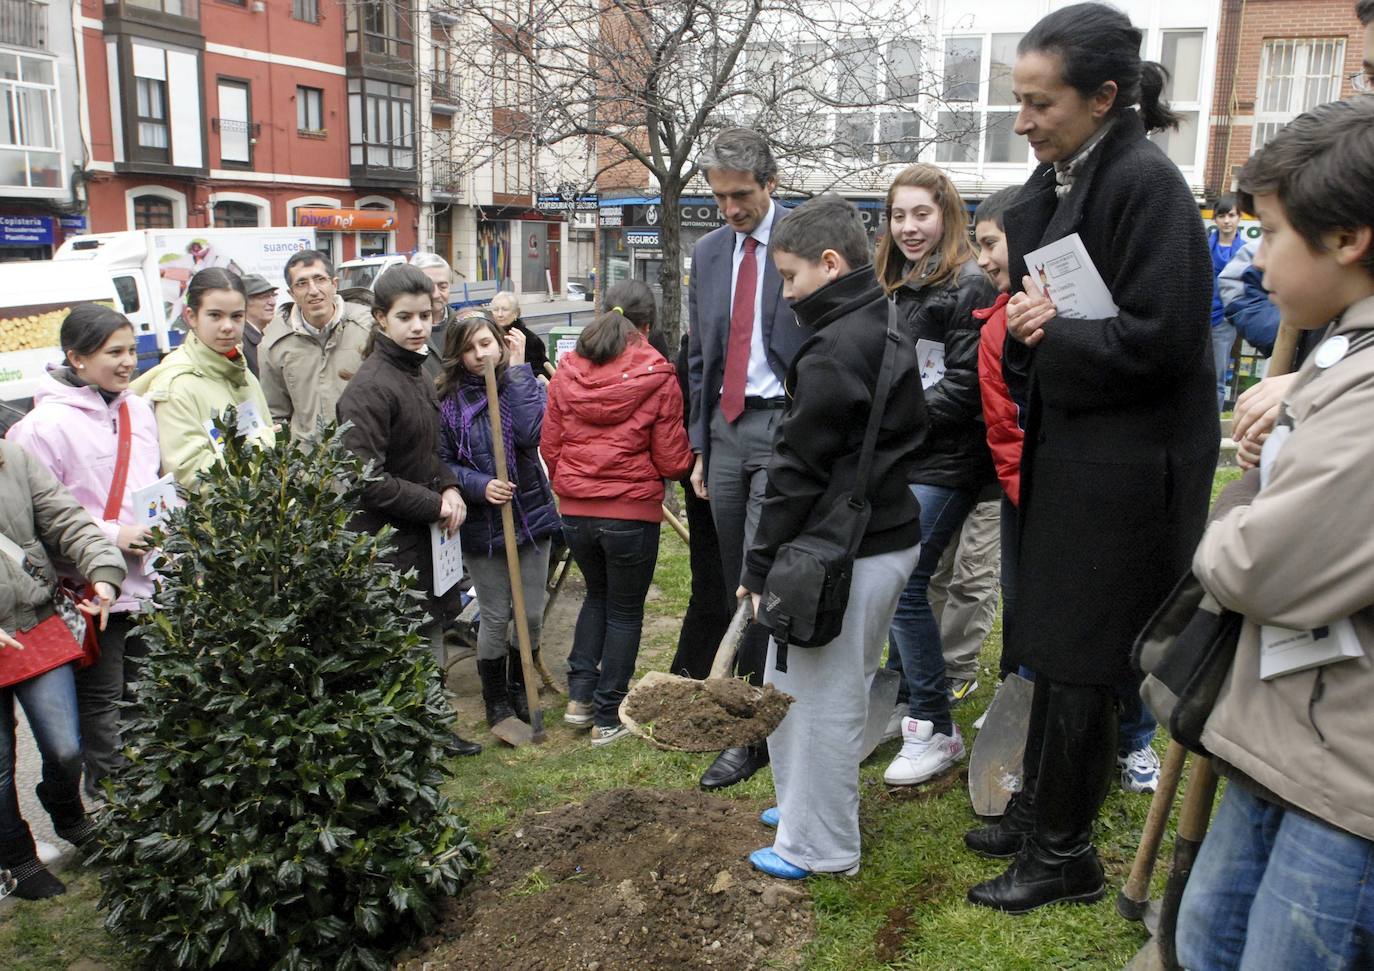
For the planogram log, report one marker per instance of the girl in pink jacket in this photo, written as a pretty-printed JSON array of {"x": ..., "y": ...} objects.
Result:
[{"x": 74, "y": 429}]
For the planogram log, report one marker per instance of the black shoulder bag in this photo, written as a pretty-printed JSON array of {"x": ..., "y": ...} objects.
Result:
[{"x": 807, "y": 589}]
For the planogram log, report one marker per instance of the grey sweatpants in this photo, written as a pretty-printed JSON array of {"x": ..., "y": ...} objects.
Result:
[
  {"x": 816, "y": 750},
  {"x": 491, "y": 580},
  {"x": 963, "y": 589}
]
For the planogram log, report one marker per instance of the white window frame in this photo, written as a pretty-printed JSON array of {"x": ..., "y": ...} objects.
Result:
[
  {"x": 262, "y": 204},
  {"x": 1188, "y": 106},
  {"x": 1268, "y": 122},
  {"x": 61, "y": 191},
  {"x": 177, "y": 199}
]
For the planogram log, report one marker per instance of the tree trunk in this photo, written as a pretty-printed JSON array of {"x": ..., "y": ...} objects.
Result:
[{"x": 673, "y": 312}]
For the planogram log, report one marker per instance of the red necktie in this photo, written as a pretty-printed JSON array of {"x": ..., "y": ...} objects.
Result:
[{"x": 737, "y": 347}]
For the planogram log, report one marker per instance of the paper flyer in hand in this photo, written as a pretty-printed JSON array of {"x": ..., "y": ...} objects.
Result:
[
  {"x": 247, "y": 424},
  {"x": 154, "y": 502},
  {"x": 1064, "y": 272},
  {"x": 447, "y": 557},
  {"x": 930, "y": 358}
]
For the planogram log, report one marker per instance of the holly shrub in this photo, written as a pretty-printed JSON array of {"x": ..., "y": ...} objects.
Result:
[{"x": 281, "y": 808}]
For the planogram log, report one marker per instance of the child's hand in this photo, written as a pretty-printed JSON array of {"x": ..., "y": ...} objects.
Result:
[
  {"x": 132, "y": 540},
  {"x": 516, "y": 342},
  {"x": 499, "y": 493}
]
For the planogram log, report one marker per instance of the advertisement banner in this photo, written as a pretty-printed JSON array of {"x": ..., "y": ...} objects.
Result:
[
  {"x": 180, "y": 253},
  {"x": 26, "y": 231},
  {"x": 347, "y": 220}
]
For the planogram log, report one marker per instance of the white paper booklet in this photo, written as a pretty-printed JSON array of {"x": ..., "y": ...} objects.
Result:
[
  {"x": 1284, "y": 651},
  {"x": 152, "y": 503},
  {"x": 447, "y": 558},
  {"x": 930, "y": 358},
  {"x": 248, "y": 423},
  {"x": 1065, "y": 273}
]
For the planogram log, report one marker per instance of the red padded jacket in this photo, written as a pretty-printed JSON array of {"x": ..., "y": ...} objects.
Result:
[
  {"x": 613, "y": 433},
  {"x": 1000, "y": 410}
]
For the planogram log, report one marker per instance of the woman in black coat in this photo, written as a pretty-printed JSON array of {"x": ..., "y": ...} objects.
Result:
[{"x": 1121, "y": 431}]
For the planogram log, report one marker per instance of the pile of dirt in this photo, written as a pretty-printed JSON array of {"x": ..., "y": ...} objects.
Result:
[
  {"x": 630, "y": 880},
  {"x": 707, "y": 716}
]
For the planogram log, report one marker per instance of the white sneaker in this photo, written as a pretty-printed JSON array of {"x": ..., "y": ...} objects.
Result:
[
  {"x": 924, "y": 754},
  {"x": 579, "y": 714},
  {"x": 894, "y": 724},
  {"x": 606, "y": 734},
  {"x": 1139, "y": 770}
]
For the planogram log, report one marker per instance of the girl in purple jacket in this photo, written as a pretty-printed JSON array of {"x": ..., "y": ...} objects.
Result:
[{"x": 465, "y": 446}]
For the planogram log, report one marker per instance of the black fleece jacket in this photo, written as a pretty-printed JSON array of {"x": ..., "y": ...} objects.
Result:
[
  {"x": 830, "y": 387},
  {"x": 955, "y": 453}
]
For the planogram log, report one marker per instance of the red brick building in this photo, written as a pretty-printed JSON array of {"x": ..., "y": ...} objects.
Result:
[
  {"x": 244, "y": 112},
  {"x": 1275, "y": 60}
]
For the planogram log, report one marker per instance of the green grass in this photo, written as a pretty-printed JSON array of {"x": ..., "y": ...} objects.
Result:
[{"x": 905, "y": 909}]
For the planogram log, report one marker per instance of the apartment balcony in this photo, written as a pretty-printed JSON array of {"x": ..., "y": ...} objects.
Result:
[
  {"x": 378, "y": 41},
  {"x": 449, "y": 177},
  {"x": 155, "y": 17},
  {"x": 24, "y": 23}
]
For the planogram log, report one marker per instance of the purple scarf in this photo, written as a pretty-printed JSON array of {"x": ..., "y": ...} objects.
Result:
[{"x": 467, "y": 404}]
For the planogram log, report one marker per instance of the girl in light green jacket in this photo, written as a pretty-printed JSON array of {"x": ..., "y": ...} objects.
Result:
[{"x": 204, "y": 376}]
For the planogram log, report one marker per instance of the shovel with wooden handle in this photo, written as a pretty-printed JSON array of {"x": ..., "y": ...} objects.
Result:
[
  {"x": 1133, "y": 902},
  {"x": 512, "y": 730}
]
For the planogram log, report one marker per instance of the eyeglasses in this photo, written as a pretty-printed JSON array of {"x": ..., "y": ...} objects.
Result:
[
  {"x": 1362, "y": 82},
  {"x": 305, "y": 283}
]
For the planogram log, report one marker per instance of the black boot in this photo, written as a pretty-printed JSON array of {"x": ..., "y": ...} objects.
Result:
[
  {"x": 1057, "y": 863},
  {"x": 494, "y": 692},
  {"x": 516, "y": 681},
  {"x": 1002, "y": 839},
  {"x": 734, "y": 765},
  {"x": 69, "y": 819},
  {"x": 19, "y": 856},
  {"x": 461, "y": 746}
]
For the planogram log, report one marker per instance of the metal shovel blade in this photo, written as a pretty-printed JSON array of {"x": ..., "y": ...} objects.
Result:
[
  {"x": 994, "y": 768},
  {"x": 513, "y": 732},
  {"x": 882, "y": 698}
]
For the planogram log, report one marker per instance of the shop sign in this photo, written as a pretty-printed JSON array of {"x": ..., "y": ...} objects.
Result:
[
  {"x": 641, "y": 237},
  {"x": 347, "y": 220},
  {"x": 610, "y": 217},
  {"x": 74, "y": 225},
  {"x": 26, "y": 230},
  {"x": 560, "y": 203}
]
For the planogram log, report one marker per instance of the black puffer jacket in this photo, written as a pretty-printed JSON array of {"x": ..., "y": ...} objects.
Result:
[{"x": 955, "y": 453}]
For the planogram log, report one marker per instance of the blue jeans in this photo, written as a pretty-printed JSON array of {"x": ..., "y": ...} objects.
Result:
[
  {"x": 1274, "y": 890},
  {"x": 1223, "y": 339},
  {"x": 616, "y": 558},
  {"x": 915, "y": 636},
  {"x": 49, "y": 702}
]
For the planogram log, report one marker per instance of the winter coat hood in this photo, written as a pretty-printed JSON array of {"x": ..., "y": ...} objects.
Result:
[{"x": 608, "y": 394}]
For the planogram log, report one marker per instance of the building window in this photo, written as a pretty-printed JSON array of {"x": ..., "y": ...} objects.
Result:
[
  {"x": 235, "y": 124},
  {"x": 904, "y": 69},
  {"x": 236, "y": 215},
  {"x": 900, "y": 136},
  {"x": 309, "y": 109},
  {"x": 857, "y": 69},
  {"x": 958, "y": 134},
  {"x": 307, "y": 10},
  {"x": 152, "y": 212},
  {"x": 29, "y": 151},
  {"x": 1181, "y": 54},
  {"x": 854, "y": 135},
  {"x": 963, "y": 66},
  {"x": 381, "y": 124},
  {"x": 152, "y": 115},
  {"x": 176, "y": 8},
  {"x": 1295, "y": 76}
]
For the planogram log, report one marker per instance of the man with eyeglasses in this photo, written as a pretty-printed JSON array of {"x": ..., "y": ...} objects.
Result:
[
  {"x": 313, "y": 346},
  {"x": 1363, "y": 82}
]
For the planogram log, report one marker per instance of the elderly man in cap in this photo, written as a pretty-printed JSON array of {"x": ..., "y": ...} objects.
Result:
[{"x": 262, "y": 304}]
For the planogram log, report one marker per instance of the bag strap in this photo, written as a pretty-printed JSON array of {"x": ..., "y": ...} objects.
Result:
[
  {"x": 115, "y": 502},
  {"x": 859, "y": 495}
]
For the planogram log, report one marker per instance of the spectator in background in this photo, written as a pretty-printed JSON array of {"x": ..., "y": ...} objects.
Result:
[
  {"x": 505, "y": 310},
  {"x": 1224, "y": 243},
  {"x": 437, "y": 269},
  {"x": 262, "y": 307},
  {"x": 313, "y": 347}
]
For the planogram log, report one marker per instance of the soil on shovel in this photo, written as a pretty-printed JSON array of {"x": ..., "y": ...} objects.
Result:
[
  {"x": 630, "y": 880},
  {"x": 706, "y": 716}
]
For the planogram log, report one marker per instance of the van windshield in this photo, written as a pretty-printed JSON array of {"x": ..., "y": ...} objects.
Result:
[{"x": 358, "y": 276}]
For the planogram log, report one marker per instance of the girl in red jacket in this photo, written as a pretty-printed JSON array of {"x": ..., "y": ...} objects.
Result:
[{"x": 612, "y": 434}]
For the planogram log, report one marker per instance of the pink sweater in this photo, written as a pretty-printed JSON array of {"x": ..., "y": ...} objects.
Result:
[{"x": 73, "y": 432}]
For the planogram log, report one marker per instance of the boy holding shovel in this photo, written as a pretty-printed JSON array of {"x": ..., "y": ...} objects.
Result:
[{"x": 822, "y": 255}]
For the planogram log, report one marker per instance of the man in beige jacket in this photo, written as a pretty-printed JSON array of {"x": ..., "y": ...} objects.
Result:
[
  {"x": 312, "y": 347},
  {"x": 1283, "y": 878}
]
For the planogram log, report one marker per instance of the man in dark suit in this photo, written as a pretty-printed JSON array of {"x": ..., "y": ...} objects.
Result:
[
  {"x": 262, "y": 304},
  {"x": 743, "y": 336}
]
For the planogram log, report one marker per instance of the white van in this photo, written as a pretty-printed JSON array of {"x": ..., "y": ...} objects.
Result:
[
  {"x": 150, "y": 269},
  {"x": 34, "y": 300}
]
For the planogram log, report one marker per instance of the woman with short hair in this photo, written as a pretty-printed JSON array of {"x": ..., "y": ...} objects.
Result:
[{"x": 505, "y": 310}]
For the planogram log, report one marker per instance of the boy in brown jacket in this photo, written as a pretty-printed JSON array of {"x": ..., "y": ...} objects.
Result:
[{"x": 1282, "y": 879}]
